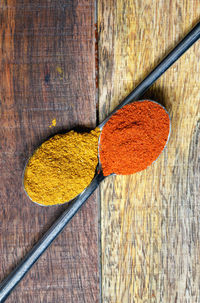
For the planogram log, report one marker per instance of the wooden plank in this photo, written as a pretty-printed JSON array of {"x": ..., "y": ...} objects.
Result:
[
  {"x": 150, "y": 221},
  {"x": 47, "y": 67}
]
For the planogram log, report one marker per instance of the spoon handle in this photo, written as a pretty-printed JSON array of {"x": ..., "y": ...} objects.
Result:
[
  {"x": 19, "y": 272},
  {"x": 172, "y": 57}
]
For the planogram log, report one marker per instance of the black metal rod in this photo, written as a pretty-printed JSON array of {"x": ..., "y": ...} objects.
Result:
[{"x": 16, "y": 276}]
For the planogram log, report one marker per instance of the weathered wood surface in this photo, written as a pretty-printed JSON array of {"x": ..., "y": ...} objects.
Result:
[
  {"x": 47, "y": 71},
  {"x": 150, "y": 228}
]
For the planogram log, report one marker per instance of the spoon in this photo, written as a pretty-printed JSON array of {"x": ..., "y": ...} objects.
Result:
[{"x": 27, "y": 262}]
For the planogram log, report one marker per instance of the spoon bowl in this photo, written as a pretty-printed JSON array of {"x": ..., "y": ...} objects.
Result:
[{"x": 143, "y": 138}]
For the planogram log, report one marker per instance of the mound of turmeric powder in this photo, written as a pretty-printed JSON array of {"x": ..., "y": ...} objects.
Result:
[{"x": 62, "y": 167}]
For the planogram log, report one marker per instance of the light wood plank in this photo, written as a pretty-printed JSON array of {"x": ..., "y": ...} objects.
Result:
[{"x": 150, "y": 220}]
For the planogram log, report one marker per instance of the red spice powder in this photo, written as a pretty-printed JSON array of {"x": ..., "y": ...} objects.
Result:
[{"x": 133, "y": 138}]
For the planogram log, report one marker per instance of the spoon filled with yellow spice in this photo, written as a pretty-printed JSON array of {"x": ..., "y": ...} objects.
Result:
[
  {"x": 62, "y": 167},
  {"x": 146, "y": 123}
]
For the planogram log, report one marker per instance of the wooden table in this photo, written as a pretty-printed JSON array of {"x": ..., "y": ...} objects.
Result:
[{"x": 138, "y": 239}]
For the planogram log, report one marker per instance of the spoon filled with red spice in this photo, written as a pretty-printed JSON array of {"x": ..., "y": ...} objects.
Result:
[{"x": 133, "y": 136}]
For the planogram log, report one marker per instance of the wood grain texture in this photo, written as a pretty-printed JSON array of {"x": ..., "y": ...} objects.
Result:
[
  {"x": 150, "y": 221},
  {"x": 47, "y": 71}
]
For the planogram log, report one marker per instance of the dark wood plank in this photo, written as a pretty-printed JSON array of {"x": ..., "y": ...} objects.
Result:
[{"x": 47, "y": 71}]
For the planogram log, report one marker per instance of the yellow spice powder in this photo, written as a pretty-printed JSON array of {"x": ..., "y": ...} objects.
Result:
[
  {"x": 62, "y": 167},
  {"x": 53, "y": 123}
]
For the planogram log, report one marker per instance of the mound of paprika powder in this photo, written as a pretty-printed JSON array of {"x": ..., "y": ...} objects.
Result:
[{"x": 133, "y": 138}]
